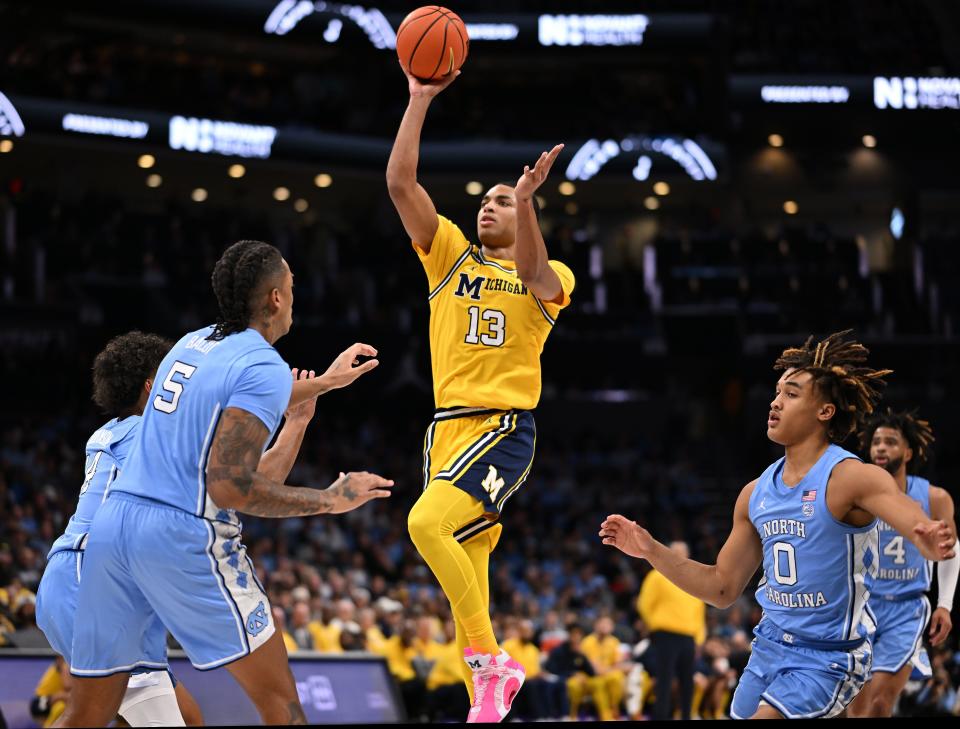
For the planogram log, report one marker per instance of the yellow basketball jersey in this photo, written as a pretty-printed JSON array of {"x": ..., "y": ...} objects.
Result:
[{"x": 487, "y": 329}]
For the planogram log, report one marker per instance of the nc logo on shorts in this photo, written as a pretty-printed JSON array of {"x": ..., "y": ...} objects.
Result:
[{"x": 257, "y": 620}]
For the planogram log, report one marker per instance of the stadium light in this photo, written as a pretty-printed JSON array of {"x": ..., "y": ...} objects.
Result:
[
  {"x": 146, "y": 161},
  {"x": 651, "y": 203},
  {"x": 474, "y": 187},
  {"x": 198, "y": 195},
  {"x": 154, "y": 180},
  {"x": 236, "y": 171},
  {"x": 661, "y": 188},
  {"x": 6, "y": 145},
  {"x": 301, "y": 205},
  {"x": 281, "y": 194},
  {"x": 323, "y": 180},
  {"x": 869, "y": 141},
  {"x": 567, "y": 188},
  {"x": 775, "y": 140},
  {"x": 790, "y": 207}
]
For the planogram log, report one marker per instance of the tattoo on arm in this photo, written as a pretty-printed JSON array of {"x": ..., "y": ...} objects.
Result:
[
  {"x": 233, "y": 481},
  {"x": 296, "y": 713}
]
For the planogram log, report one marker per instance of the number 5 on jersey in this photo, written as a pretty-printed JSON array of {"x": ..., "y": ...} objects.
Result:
[{"x": 172, "y": 387}]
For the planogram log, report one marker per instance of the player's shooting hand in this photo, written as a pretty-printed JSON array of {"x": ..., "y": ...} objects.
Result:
[
  {"x": 355, "y": 489},
  {"x": 627, "y": 536},
  {"x": 530, "y": 180},
  {"x": 346, "y": 368},
  {"x": 940, "y": 626},
  {"x": 427, "y": 89},
  {"x": 936, "y": 540},
  {"x": 302, "y": 413}
]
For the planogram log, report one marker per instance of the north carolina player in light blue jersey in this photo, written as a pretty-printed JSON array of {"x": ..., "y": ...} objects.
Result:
[
  {"x": 810, "y": 521},
  {"x": 899, "y": 442},
  {"x": 122, "y": 376},
  {"x": 166, "y": 543}
]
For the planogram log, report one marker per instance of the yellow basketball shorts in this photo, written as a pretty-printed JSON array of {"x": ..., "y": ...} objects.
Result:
[{"x": 487, "y": 453}]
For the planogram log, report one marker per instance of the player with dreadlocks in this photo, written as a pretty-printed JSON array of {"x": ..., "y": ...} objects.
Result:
[
  {"x": 810, "y": 520},
  {"x": 166, "y": 543},
  {"x": 900, "y": 443}
]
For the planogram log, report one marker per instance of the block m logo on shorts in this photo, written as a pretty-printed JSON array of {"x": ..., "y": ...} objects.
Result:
[{"x": 257, "y": 620}]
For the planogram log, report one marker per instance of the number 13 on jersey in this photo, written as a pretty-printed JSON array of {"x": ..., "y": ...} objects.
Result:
[{"x": 496, "y": 324}]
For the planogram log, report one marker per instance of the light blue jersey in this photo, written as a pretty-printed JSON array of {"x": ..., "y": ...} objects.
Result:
[
  {"x": 903, "y": 570},
  {"x": 196, "y": 382},
  {"x": 898, "y": 602},
  {"x": 810, "y": 657},
  {"x": 817, "y": 570},
  {"x": 160, "y": 551},
  {"x": 107, "y": 450}
]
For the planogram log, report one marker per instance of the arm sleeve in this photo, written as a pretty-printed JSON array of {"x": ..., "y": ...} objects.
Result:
[
  {"x": 263, "y": 389},
  {"x": 947, "y": 579},
  {"x": 567, "y": 283},
  {"x": 448, "y": 245}
]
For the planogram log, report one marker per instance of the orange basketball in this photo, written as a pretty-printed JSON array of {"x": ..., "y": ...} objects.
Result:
[{"x": 432, "y": 42}]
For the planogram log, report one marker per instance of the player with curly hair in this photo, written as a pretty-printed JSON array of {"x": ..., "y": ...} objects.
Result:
[
  {"x": 811, "y": 520},
  {"x": 165, "y": 547},
  {"x": 899, "y": 442}
]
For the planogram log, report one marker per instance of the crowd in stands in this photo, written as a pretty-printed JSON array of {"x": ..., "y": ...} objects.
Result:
[{"x": 563, "y": 604}]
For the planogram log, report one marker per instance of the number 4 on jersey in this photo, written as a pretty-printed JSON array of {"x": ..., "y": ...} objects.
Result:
[
  {"x": 895, "y": 549},
  {"x": 492, "y": 483}
]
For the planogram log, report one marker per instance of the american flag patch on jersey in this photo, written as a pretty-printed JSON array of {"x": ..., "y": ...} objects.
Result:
[{"x": 809, "y": 496}]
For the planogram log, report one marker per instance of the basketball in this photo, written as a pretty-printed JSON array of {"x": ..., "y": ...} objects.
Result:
[{"x": 432, "y": 42}]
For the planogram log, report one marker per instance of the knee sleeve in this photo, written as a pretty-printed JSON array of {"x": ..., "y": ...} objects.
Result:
[{"x": 150, "y": 700}]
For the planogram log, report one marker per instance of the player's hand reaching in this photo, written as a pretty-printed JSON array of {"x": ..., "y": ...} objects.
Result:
[
  {"x": 940, "y": 626},
  {"x": 935, "y": 540},
  {"x": 302, "y": 413},
  {"x": 530, "y": 180},
  {"x": 420, "y": 89},
  {"x": 355, "y": 489},
  {"x": 627, "y": 536},
  {"x": 346, "y": 368}
]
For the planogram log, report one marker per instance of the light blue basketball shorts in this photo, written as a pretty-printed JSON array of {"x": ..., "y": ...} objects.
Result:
[
  {"x": 798, "y": 681},
  {"x": 57, "y": 609},
  {"x": 899, "y": 636},
  {"x": 146, "y": 561}
]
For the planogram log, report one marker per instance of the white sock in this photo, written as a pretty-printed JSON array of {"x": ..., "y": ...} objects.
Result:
[{"x": 150, "y": 700}]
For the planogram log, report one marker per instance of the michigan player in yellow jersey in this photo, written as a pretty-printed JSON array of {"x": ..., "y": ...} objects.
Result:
[{"x": 492, "y": 307}]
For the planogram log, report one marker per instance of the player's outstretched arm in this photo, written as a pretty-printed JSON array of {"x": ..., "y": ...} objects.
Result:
[
  {"x": 720, "y": 584},
  {"x": 530, "y": 253},
  {"x": 416, "y": 209},
  {"x": 234, "y": 483},
  {"x": 871, "y": 488},
  {"x": 276, "y": 463},
  {"x": 345, "y": 369},
  {"x": 941, "y": 507}
]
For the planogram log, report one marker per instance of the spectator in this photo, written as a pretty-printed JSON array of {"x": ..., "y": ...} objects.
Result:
[
  {"x": 280, "y": 621},
  {"x": 300, "y": 626},
  {"x": 677, "y": 624},
  {"x": 447, "y": 697},
  {"x": 52, "y": 693},
  {"x": 568, "y": 663},
  {"x": 603, "y": 650}
]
